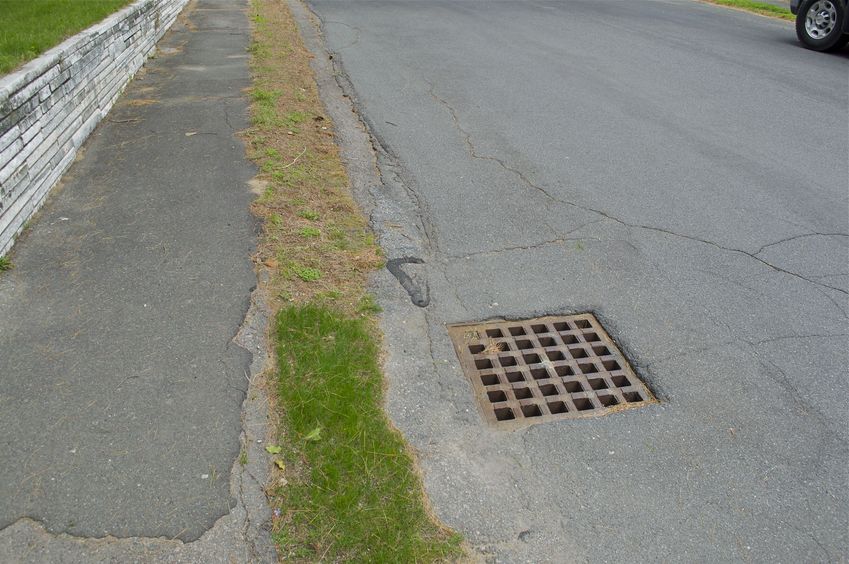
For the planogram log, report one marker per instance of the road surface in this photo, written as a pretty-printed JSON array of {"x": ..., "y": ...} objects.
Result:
[{"x": 676, "y": 167}]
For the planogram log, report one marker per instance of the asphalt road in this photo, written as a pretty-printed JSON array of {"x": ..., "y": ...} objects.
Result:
[{"x": 678, "y": 168}]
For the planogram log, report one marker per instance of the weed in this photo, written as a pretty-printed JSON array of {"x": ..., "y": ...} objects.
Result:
[
  {"x": 493, "y": 347},
  {"x": 275, "y": 219},
  {"x": 368, "y": 305},
  {"x": 328, "y": 295},
  {"x": 265, "y": 96},
  {"x": 306, "y": 273},
  {"x": 5, "y": 264},
  {"x": 291, "y": 176},
  {"x": 279, "y": 537},
  {"x": 243, "y": 457},
  {"x": 292, "y": 119},
  {"x": 265, "y": 116},
  {"x": 296, "y": 117},
  {"x": 265, "y": 108},
  {"x": 267, "y": 194},
  {"x": 308, "y": 214},
  {"x": 310, "y": 232}
]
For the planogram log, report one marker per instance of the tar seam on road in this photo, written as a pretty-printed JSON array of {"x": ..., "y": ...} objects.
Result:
[{"x": 419, "y": 294}]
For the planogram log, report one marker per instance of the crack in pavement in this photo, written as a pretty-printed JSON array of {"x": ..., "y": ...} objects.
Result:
[
  {"x": 227, "y": 117},
  {"x": 813, "y": 336},
  {"x": 519, "y": 174},
  {"x": 803, "y": 235},
  {"x": 357, "y": 33},
  {"x": 384, "y": 160},
  {"x": 557, "y": 241},
  {"x": 467, "y": 138},
  {"x": 781, "y": 378}
]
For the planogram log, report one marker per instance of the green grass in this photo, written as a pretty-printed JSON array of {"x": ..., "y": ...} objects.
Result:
[
  {"x": 265, "y": 108},
  {"x": 368, "y": 305},
  {"x": 306, "y": 273},
  {"x": 310, "y": 232},
  {"x": 761, "y": 8},
  {"x": 356, "y": 497},
  {"x": 292, "y": 119},
  {"x": 31, "y": 27},
  {"x": 5, "y": 264}
]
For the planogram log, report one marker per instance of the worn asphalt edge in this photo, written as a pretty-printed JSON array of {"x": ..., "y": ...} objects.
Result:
[
  {"x": 379, "y": 183},
  {"x": 395, "y": 215},
  {"x": 381, "y": 186}
]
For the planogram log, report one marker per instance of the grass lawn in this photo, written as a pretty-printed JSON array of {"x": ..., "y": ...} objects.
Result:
[
  {"x": 31, "y": 27},
  {"x": 344, "y": 485},
  {"x": 761, "y": 8}
]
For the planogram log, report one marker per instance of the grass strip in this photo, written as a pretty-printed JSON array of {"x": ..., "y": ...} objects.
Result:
[
  {"x": 30, "y": 27},
  {"x": 357, "y": 498},
  {"x": 761, "y": 8},
  {"x": 344, "y": 486}
]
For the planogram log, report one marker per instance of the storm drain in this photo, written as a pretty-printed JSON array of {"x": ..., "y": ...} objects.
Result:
[{"x": 545, "y": 369}]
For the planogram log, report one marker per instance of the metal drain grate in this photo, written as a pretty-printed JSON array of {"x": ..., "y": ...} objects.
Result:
[{"x": 546, "y": 369}]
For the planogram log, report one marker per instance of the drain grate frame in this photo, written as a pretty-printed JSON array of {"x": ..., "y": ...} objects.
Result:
[{"x": 544, "y": 369}]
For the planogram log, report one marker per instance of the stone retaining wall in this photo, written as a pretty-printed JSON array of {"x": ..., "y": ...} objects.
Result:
[{"x": 50, "y": 106}]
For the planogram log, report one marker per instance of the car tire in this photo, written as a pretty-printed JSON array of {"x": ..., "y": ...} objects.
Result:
[{"x": 819, "y": 24}]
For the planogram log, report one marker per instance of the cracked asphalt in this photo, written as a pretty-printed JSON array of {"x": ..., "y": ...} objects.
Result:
[
  {"x": 675, "y": 167},
  {"x": 131, "y": 330}
]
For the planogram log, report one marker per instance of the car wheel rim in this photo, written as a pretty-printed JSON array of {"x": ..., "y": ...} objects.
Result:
[{"x": 820, "y": 19}]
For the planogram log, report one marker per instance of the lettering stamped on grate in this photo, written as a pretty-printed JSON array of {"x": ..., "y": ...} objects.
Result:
[{"x": 545, "y": 369}]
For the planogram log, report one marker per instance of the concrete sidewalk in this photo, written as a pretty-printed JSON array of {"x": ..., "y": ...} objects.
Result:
[{"x": 121, "y": 386}]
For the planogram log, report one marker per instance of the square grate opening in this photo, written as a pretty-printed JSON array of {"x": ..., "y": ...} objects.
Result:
[{"x": 546, "y": 369}]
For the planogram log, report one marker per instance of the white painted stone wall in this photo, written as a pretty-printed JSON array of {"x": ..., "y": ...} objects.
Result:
[{"x": 50, "y": 106}]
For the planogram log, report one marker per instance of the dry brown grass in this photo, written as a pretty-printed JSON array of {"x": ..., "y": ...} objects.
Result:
[
  {"x": 315, "y": 240},
  {"x": 493, "y": 346}
]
